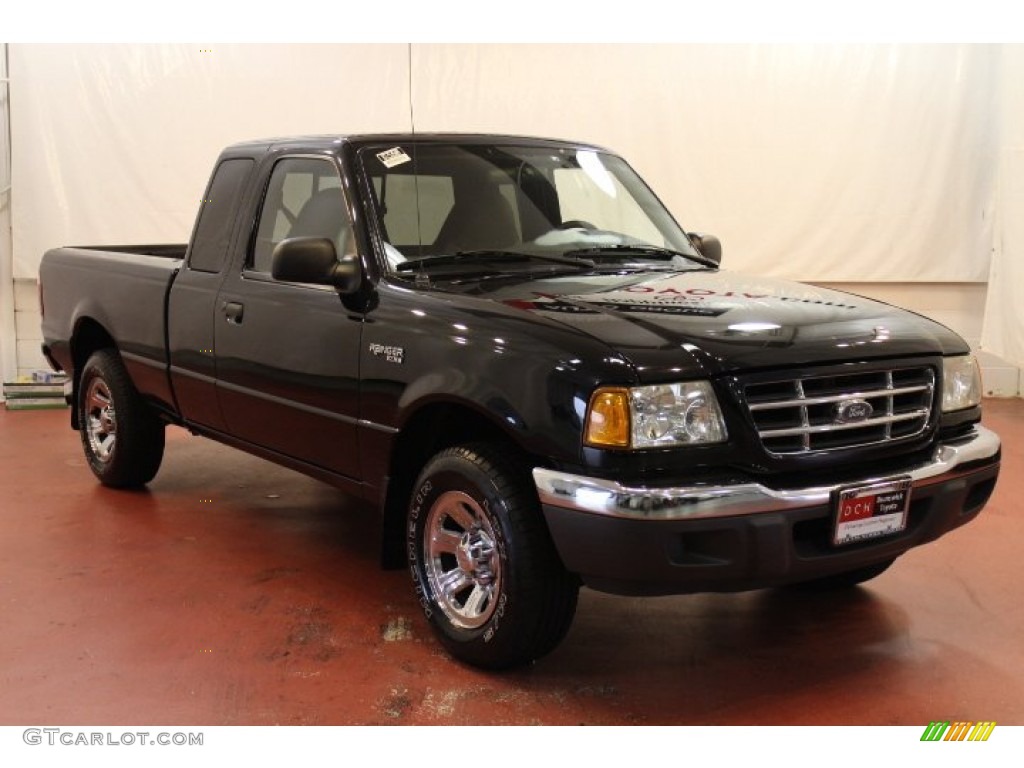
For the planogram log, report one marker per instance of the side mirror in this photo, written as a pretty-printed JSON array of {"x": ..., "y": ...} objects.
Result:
[
  {"x": 709, "y": 246},
  {"x": 314, "y": 260}
]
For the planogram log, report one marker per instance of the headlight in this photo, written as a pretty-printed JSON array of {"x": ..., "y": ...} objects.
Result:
[
  {"x": 961, "y": 383},
  {"x": 659, "y": 416}
]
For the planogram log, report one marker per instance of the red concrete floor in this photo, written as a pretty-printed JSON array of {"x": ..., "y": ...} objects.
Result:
[{"x": 236, "y": 592}]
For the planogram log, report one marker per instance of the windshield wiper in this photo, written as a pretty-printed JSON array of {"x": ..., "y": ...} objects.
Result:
[
  {"x": 488, "y": 254},
  {"x": 640, "y": 250}
]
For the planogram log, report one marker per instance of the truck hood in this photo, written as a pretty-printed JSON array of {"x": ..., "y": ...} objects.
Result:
[{"x": 708, "y": 322}]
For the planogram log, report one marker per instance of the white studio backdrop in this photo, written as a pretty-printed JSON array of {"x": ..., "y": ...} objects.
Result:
[
  {"x": 115, "y": 143},
  {"x": 1003, "y": 329},
  {"x": 8, "y": 341},
  {"x": 829, "y": 163}
]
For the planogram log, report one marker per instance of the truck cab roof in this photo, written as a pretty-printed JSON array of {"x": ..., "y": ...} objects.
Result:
[{"x": 333, "y": 141}]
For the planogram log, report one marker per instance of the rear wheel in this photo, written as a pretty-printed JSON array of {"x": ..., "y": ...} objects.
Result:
[
  {"x": 122, "y": 437},
  {"x": 483, "y": 564},
  {"x": 848, "y": 579}
]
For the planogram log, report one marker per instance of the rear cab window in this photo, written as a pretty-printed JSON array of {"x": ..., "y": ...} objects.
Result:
[{"x": 217, "y": 215}]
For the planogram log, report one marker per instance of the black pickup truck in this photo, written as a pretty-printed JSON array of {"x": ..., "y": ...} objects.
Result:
[{"x": 511, "y": 347}]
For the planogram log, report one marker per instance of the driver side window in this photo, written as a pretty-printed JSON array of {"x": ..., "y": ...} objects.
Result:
[{"x": 303, "y": 199}]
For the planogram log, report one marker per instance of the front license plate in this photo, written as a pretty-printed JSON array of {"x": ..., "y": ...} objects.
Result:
[{"x": 870, "y": 511}]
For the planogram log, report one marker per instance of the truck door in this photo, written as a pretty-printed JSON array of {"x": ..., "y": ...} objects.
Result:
[
  {"x": 287, "y": 353},
  {"x": 193, "y": 296}
]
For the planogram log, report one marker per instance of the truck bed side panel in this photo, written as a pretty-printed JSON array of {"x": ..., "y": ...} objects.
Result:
[{"x": 125, "y": 294}]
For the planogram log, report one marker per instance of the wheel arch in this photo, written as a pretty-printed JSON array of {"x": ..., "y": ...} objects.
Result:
[
  {"x": 88, "y": 337},
  {"x": 429, "y": 429}
]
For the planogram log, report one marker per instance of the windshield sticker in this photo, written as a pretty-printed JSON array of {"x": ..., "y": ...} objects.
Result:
[{"x": 392, "y": 157}]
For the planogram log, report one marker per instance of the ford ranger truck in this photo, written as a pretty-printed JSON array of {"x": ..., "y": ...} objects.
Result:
[{"x": 511, "y": 347}]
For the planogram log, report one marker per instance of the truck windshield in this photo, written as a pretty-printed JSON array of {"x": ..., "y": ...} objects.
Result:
[{"x": 449, "y": 201}]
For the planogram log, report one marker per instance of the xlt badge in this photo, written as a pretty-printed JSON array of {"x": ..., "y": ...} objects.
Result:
[{"x": 389, "y": 353}]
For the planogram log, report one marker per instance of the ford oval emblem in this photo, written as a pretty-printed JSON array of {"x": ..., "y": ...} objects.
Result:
[{"x": 851, "y": 411}]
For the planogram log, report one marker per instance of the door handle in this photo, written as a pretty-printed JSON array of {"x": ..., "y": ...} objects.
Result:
[{"x": 233, "y": 312}]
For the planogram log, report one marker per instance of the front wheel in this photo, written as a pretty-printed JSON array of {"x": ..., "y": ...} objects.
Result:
[
  {"x": 483, "y": 564},
  {"x": 122, "y": 437}
]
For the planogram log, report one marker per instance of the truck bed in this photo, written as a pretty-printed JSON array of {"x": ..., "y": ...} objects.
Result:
[{"x": 121, "y": 289}]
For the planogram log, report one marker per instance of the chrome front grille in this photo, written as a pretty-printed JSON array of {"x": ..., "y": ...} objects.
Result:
[{"x": 845, "y": 410}]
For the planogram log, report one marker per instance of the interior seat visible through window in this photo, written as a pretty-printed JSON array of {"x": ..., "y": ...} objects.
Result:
[
  {"x": 481, "y": 218},
  {"x": 322, "y": 216},
  {"x": 303, "y": 199}
]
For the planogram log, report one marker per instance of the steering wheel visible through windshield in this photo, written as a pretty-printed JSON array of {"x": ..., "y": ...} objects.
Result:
[{"x": 438, "y": 203}]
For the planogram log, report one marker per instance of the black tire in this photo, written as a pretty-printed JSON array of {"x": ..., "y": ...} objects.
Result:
[
  {"x": 122, "y": 436},
  {"x": 846, "y": 580},
  {"x": 474, "y": 523}
]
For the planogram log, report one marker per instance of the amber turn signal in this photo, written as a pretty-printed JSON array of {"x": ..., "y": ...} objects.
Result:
[{"x": 608, "y": 418}]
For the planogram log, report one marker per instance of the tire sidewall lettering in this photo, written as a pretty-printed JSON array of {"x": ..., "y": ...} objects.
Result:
[
  {"x": 495, "y": 623},
  {"x": 418, "y": 499}
]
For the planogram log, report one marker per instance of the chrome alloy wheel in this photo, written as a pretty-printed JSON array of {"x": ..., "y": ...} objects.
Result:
[
  {"x": 463, "y": 566},
  {"x": 101, "y": 420}
]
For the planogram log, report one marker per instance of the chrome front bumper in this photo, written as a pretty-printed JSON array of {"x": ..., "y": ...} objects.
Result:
[{"x": 691, "y": 502}]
